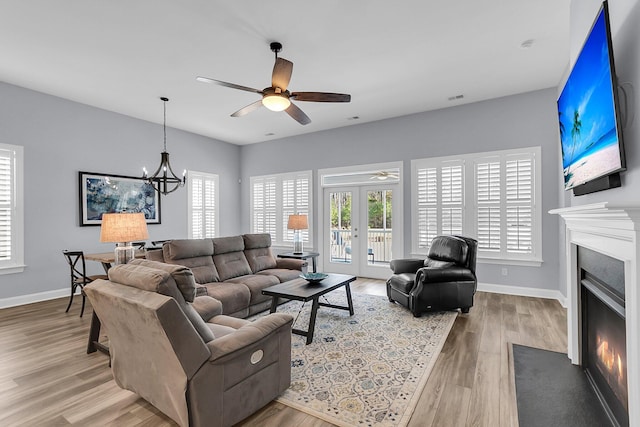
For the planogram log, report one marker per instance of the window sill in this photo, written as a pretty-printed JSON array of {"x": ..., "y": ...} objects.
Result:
[
  {"x": 504, "y": 261},
  {"x": 12, "y": 269}
]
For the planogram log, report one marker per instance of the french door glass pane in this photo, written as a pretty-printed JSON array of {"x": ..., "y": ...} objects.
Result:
[
  {"x": 340, "y": 230},
  {"x": 379, "y": 232}
]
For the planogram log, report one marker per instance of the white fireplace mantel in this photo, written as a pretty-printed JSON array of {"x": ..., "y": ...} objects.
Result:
[{"x": 614, "y": 230}]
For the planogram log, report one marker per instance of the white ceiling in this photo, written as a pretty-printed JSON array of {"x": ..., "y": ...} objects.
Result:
[{"x": 394, "y": 58}]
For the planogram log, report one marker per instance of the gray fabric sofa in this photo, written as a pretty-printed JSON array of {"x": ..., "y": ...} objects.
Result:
[
  {"x": 197, "y": 368},
  {"x": 233, "y": 270}
]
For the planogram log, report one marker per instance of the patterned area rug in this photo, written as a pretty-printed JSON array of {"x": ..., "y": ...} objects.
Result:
[{"x": 367, "y": 369}]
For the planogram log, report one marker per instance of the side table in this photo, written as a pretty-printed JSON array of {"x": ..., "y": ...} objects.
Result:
[{"x": 303, "y": 256}]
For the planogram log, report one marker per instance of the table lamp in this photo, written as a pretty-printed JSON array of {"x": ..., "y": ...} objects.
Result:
[
  {"x": 123, "y": 228},
  {"x": 297, "y": 223}
]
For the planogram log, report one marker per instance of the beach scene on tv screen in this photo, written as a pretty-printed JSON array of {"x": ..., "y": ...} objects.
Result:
[{"x": 586, "y": 112}]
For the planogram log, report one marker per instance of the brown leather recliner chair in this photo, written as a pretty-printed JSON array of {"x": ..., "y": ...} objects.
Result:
[
  {"x": 176, "y": 351},
  {"x": 446, "y": 279}
]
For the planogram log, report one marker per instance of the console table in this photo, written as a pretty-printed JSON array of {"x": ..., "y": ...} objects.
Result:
[{"x": 303, "y": 256}]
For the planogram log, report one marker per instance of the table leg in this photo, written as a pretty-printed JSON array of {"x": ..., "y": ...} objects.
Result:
[
  {"x": 313, "y": 264},
  {"x": 312, "y": 320},
  {"x": 94, "y": 334},
  {"x": 349, "y": 300},
  {"x": 274, "y": 304}
]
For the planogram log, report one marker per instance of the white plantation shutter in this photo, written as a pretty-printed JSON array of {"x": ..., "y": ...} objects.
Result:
[
  {"x": 488, "y": 207},
  {"x": 274, "y": 198},
  {"x": 6, "y": 204},
  {"x": 501, "y": 186},
  {"x": 288, "y": 207},
  {"x": 11, "y": 203},
  {"x": 520, "y": 203},
  {"x": 264, "y": 205},
  {"x": 440, "y": 201},
  {"x": 203, "y": 203},
  {"x": 452, "y": 199}
]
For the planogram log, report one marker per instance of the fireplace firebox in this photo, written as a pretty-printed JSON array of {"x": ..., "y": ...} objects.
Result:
[{"x": 604, "y": 346}]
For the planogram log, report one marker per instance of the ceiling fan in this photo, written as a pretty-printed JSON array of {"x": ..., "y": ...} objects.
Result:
[
  {"x": 383, "y": 175},
  {"x": 276, "y": 97}
]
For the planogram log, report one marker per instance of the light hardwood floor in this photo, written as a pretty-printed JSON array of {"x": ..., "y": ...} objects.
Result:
[{"x": 47, "y": 379}]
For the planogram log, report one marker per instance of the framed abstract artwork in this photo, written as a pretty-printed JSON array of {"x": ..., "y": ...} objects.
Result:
[{"x": 102, "y": 193}]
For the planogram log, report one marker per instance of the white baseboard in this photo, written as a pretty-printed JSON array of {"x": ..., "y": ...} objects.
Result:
[
  {"x": 484, "y": 287},
  {"x": 31, "y": 298},
  {"x": 524, "y": 292}
]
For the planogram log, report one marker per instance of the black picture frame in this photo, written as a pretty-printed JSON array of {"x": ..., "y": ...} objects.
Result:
[{"x": 101, "y": 193}]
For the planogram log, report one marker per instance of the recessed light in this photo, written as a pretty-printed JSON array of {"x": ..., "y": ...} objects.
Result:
[
  {"x": 353, "y": 118},
  {"x": 526, "y": 44},
  {"x": 269, "y": 134},
  {"x": 456, "y": 97}
]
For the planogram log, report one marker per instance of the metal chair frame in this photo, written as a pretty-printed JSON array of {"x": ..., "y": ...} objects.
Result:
[{"x": 79, "y": 278}]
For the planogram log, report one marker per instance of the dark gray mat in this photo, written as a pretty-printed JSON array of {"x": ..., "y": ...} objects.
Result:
[{"x": 552, "y": 392}]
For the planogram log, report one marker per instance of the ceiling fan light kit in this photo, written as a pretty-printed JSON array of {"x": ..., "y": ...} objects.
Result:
[
  {"x": 277, "y": 97},
  {"x": 276, "y": 100}
]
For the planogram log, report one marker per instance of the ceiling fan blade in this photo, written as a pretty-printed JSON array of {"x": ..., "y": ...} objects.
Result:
[
  {"x": 231, "y": 85},
  {"x": 281, "y": 73},
  {"x": 249, "y": 108},
  {"x": 321, "y": 97},
  {"x": 297, "y": 114}
]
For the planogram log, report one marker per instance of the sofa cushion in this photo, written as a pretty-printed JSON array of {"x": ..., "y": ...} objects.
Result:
[
  {"x": 257, "y": 240},
  {"x": 182, "y": 276},
  {"x": 403, "y": 282},
  {"x": 235, "y": 297},
  {"x": 256, "y": 283},
  {"x": 187, "y": 248},
  {"x": 223, "y": 245},
  {"x": 195, "y": 254},
  {"x": 260, "y": 259},
  {"x": 161, "y": 281},
  {"x": 283, "y": 274}
]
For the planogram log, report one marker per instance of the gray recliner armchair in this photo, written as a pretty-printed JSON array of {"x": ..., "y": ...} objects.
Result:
[
  {"x": 179, "y": 353},
  {"x": 446, "y": 279}
]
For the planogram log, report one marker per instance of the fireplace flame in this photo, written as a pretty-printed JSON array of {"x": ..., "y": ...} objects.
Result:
[{"x": 609, "y": 358}]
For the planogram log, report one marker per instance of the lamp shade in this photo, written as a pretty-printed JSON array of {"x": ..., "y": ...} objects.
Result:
[
  {"x": 123, "y": 227},
  {"x": 297, "y": 222}
]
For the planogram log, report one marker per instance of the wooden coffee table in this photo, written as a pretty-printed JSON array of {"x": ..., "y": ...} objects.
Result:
[{"x": 302, "y": 290}]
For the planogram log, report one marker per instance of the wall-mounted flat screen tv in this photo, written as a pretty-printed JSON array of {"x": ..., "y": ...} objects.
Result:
[{"x": 588, "y": 111}]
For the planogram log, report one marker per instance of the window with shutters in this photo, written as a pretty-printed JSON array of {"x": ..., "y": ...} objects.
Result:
[
  {"x": 11, "y": 209},
  {"x": 274, "y": 198},
  {"x": 493, "y": 197},
  {"x": 203, "y": 205}
]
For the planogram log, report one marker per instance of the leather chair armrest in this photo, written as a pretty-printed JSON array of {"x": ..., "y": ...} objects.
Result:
[
  {"x": 291, "y": 263},
  {"x": 407, "y": 265},
  {"x": 207, "y": 307},
  {"x": 428, "y": 275},
  {"x": 248, "y": 334}
]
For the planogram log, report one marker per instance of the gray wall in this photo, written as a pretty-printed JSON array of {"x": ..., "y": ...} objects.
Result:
[
  {"x": 62, "y": 137},
  {"x": 516, "y": 121}
]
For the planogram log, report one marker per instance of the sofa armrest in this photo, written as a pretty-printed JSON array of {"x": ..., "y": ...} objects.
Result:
[
  {"x": 207, "y": 307},
  {"x": 407, "y": 265},
  {"x": 248, "y": 334},
  {"x": 291, "y": 263},
  {"x": 428, "y": 275}
]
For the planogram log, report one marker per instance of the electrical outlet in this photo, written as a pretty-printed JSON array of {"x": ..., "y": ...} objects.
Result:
[{"x": 505, "y": 271}]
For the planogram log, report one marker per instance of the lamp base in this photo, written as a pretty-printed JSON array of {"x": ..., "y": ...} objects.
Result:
[
  {"x": 124, "y": 253},
  {"x": 297, "y": 242}
]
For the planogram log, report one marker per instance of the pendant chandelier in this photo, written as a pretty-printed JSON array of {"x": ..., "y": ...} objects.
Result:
[{"x": 164, "y": 180}]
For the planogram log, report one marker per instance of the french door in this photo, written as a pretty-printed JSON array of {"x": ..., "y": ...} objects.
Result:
[{"x": 358, "y": 230}]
